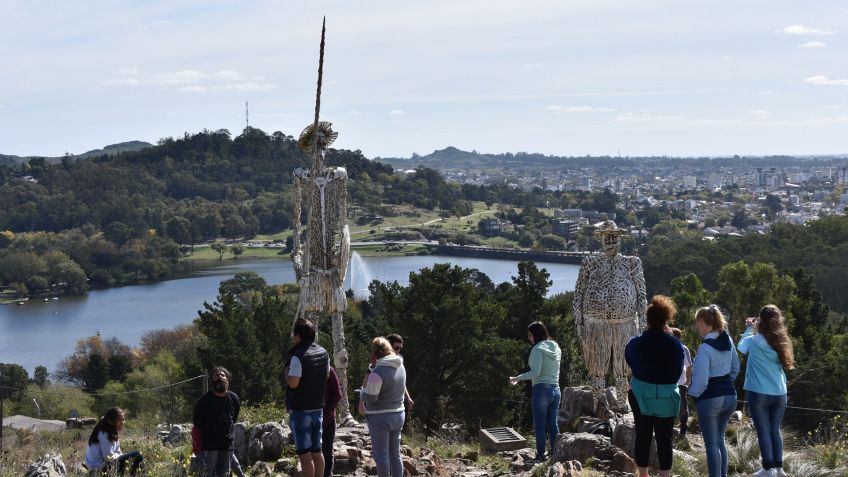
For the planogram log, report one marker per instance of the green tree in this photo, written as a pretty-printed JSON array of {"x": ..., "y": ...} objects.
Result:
[
  {"x": 40, "y": 376},
  {"x": 552, "y": 242},
  {"x": 744, "y": 289},
  {"x": 179, "y": 230},
  {"x": 220, "y": 248},
  {"x": 13, "y": 379},
  {"x": 237, "y": 249}
]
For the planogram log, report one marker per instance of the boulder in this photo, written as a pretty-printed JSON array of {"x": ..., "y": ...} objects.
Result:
[
  {"x": 50, "y": 465},
  {"x": 575, "y": 402},
  {"x": 583, "y": 446},
  {"x": 571, "y": 468},
  {"x": 240, "y": 441},
  {"x": 267, "y": 441},
  {"x": 176, "y": 435}
]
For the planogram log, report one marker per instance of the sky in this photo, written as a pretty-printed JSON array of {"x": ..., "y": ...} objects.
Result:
[{"x": 565, "y": 77}]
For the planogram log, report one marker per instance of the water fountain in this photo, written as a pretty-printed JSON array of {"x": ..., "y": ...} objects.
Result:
[{"x": 360, "y": 276}]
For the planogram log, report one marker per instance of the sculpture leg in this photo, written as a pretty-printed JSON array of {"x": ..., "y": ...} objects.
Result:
[
  {"x": 597, "y": 352},
  {"x": 623, "y": 332},
  {"x": 344, "y": 417}
]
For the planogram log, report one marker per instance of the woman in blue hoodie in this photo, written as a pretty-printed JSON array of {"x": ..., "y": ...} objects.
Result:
[
  {"x": 716, "y": 367},
  {"x": 656, "y": 359},
  {"x": 769, "y": 351},
  {"x": 544, "y": 373}
]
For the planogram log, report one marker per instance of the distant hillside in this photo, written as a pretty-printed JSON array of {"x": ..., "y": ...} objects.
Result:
[
  {"x": 453, "y": 159},
  {"x": 110, "y": 150}
]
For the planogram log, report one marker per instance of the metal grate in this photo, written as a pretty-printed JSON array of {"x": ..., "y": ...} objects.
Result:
[{"x": 504, "y": 434}]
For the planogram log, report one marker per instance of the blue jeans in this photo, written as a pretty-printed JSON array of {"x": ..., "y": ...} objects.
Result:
[
  {"x": 545, "y": 405},
  {"x": 306, "y": 429},
  {"x": 134, "y": 457},
  {"x": 713, "y": 415},
  {"x": 767, "y": 413}
]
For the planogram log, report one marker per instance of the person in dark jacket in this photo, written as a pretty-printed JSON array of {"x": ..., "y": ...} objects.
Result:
[
  {"x": 306, "y": 375},
  {"x": 215, "y": 415},
  {"x": 332, "y": 396},
  {"x": 656, "y": 360}
]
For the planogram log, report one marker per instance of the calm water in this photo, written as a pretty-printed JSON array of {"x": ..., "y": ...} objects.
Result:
[{"x": 42, "y": 333}]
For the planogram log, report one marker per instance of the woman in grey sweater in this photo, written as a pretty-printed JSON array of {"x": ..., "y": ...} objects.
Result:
[{"x": 383, "y": 397}]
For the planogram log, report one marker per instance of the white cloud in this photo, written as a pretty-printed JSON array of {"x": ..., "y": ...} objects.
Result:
[
  {"x": 532, "y": 66},
  {"x": 578, "y": 109},
  {"x": 246, "y": 86},
  {"x": 804, "y": 30},
  {"x": 181, "y": 77},
  {"x": 2, "y": 108},
  {"x": 397, "y": 112},
  {"x": 229, "y": 75},
  {"x": 128, "y": 71},
  {"x": 646, "y": 118},
  {"x": 825, "y": 81},
  {"x": 812, "y": 44},
  {"x": 769, "y": 93},
  {"x": 726, "y": 58},
  {"x": 760, "y": 113},
  {"x": 121, "y": 82}
]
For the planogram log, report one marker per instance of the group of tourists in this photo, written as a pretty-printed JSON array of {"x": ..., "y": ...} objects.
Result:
[
  {"x": 312, "y": 394},
  {"x": 664, "y": 373}
]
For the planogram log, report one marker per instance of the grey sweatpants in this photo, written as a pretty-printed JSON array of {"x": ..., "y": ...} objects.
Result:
[{"x": 385, "y": 442}]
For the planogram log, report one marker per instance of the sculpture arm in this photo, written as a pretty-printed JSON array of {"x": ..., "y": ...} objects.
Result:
[
  {"x": 579, "y": 291},
  {"x": 296, "y": 245},
  {"x": 641, "y": 293}
]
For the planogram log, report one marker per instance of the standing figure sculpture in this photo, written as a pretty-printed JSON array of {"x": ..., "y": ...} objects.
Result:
[
  {"x": 321, "y": 252},
  {"x": 610, "y": 302}
]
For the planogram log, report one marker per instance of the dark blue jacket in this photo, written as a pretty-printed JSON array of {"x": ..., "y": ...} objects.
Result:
[{"x": 655, "y": 357}]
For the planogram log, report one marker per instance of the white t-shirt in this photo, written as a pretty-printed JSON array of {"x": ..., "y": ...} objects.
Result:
[
  {"x": 295, "y": 368},
  {"x": 687, "y": 363}
]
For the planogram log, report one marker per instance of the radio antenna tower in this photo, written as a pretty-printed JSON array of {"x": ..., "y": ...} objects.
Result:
[{"x": 246, "y": 116}]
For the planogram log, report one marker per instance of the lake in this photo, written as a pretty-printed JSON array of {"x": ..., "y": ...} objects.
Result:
[{"x": 43, "y": 332}]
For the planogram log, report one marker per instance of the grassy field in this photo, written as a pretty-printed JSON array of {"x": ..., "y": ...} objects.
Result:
[{"x": 206, "y": 253}]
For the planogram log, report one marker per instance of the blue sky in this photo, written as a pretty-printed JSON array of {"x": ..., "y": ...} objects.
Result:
[{"x": 575, "y": 77}]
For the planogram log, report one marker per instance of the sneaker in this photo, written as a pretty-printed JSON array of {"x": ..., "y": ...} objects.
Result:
[
  {"x": 779, "y": 472},
  {"x": 765, "y": 473},
  {"x": 534, "y": 461}
]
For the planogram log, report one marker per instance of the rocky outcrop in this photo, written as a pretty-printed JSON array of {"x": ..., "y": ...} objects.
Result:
[
  {"x": 575, "y": 402},
  {"x": 50, "y": 465},
  {"x": 267, "y": 440},
  {"x": 582, "y": 446}
]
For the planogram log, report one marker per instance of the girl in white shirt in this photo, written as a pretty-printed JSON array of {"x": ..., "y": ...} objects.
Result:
[{"x": 104, "y": 447}]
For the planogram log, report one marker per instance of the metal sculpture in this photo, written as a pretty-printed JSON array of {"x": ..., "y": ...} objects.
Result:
[
  {"x": 610, "y": 303},
  {"x": 321, "y": 249}
]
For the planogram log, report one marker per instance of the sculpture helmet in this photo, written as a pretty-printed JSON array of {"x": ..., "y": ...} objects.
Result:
[{"x": 608, "y": 227}]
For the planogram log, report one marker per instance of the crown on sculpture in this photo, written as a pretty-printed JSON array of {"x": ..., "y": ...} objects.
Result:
[{"x": 306, "y": 142}]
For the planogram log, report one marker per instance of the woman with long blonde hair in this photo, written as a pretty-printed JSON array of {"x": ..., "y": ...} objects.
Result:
[
  {"x": 716, "y": 367},
  {"x": 770, "y": 352}
]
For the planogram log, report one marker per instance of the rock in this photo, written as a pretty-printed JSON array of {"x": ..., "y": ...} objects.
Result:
[
  {"x": 409, "y": 467},
  {"x": 471, "y": 455},
  {"x": 267, "y": 441},
  {"x": 262, "y": 468},
  {"x": 736, "y": 416},
  {"x": 575, "y": 402},
  {"x": 175, "y": 435},
  {"x": 570, "y": 468},
  {"x": 405, "y": 450},
  {"x": 582, "y": 446},
  {"x": 50, "y": 465},
  {"x": 240, "y": 443}
]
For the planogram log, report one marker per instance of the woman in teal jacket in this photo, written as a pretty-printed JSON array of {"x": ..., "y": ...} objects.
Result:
[
  {"x": 769, "y": 350},
  {"x": 544, "y": 373},
  {"x": 656, "y": 359}
]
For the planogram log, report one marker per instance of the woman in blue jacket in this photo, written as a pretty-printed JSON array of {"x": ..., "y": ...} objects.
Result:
[
  {"x": 716, "y": 367},
  {"x": 656, "y": 359},
  {"x": 769, "y": 351}
]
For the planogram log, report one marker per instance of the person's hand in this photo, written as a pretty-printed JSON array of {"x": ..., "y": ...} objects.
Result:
[
  {"x": 513, "y": 380},
  {"x": 751, "y": 322},
  {"x": 409, "y": 403}
]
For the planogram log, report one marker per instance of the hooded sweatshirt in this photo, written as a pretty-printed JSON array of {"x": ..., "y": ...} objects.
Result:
[
  {"x": 716, "y": 366},
  {"x": 384, "y": 390},
  {"x": 764, "y": 373},
  {"x": 544, "y": 363}
]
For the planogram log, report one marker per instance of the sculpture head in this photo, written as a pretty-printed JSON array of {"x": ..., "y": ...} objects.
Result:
[{"x": 610, "y": 237}]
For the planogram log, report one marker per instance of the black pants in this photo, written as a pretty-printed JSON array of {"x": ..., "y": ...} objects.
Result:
[
  {"x": 328, "y": 434},
  {"x": 684, "y": 409},
  {"x": 648, "y": 428}
]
